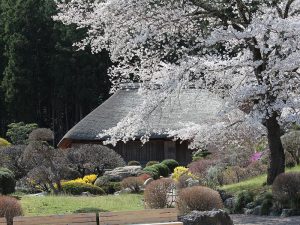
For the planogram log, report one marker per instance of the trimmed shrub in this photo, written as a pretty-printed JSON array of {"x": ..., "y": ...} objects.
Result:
[
  {"x": 9, "y": 208},
  {"x": 90, "y": 179},
  {"x": 133, "y": 163},
  {"x": 171, "y": 164},
  {"x": 151, "y": 163},
  {"x": 286, "y": 190},
  {"x": 152, "y": 171},
  {"x": 144, "y": 177},
  {"x": 4, "y": 143},
  {"x": 198, "y": 198},
  {"x": 243, "y": 198},
  {"x": 75, "y": 188},
  {"x": 7, "y": 181},
  {"x": 180, "y": 171},
  {"x": 163, "y": 169},
  {"x": 112, "y": 187},
  {"x": 156, "y": 193},
  {"x": 133, "y": 183}
]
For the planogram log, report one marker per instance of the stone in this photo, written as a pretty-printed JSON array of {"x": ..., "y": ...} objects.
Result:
[
  {"x": 250, "y": 205},
  {"x": 192, "y": 182},
  {"x": 287, "y": 213},
  {"x": 120, "y": 173},
  {"x": 224, "y": 195},
  {"x": 257, "y": 211},
  {"x": 248, "y": 211},
  {"x": 148, "y": 181},
  {"x": 215, "y": 217},
  {"x": 86, "y": 194},
  {"x": 229, "y": 203}
]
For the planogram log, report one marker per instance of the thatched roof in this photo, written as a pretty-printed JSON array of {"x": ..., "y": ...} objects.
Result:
[{"x": 191, "y": 105}]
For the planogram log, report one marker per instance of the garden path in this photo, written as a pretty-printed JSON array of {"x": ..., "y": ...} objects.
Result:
[{"x": 264, "y": 220}]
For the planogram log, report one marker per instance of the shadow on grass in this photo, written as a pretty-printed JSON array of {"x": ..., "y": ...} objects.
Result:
[{"x": 89, "y": 210}]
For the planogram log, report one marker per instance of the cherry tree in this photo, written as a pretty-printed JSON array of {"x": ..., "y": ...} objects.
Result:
[{"x": 245, "y": 51}]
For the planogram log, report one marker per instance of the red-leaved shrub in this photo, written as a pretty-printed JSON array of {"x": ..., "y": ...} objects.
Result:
[
  {"x": 198, "y": 198},
  {"x": 144, "y": 177},
  {"x": 9, "y": 208},
  {"x": 156, "y": 193}
]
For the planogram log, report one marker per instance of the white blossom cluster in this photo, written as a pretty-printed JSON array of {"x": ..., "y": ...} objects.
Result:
[{"x": 250, "y": 56}]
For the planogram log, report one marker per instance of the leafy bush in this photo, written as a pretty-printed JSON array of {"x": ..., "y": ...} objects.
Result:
[
  {"x": 7, "y": 181},
  {"x": 9, "y": 208},
  {"x": 243, "y": 198},
  {"x": 198, "y": 198},
  {"x": 266, "y": 202},
  {"x": 76, "y": 188},
  {"x": 156, "y": 193},
  {"x": 90, "y": 179},
  {"x": 171, "y": 164},
  {"x": 134, "y": 163},
  {"x": 152, "y": 171},
  {"x": 214, "y": 176},
  {"x": 4, "y": 143},
  {"x": 163, "y": 169},
  {"x": 133, "y": 183},
  {"x": 180, "y": 171},
  {"x": 151, "y": 163},
  {"x": 18, "y": 132},
  {"x": 200, "y": 154},
  {"x": 111, "y": 187},
  {"x": 144, "y": 177},
  {"x": 286, "y": 190}
]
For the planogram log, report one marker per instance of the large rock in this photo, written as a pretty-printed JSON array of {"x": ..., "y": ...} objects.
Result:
[
  {"x": 215, "y": 217},
  {"x": 118, "y": 174}
]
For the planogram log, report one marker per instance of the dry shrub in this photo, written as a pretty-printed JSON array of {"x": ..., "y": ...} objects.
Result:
[
  {"x": 133, "y": 183},
  {"x": 156, "y": 193},
  {"x": 201, "y": 166},
  {"x": 198, "y": 198},
  {"x": 9, "y": 208},
  {"x": 286, "y": 189}
]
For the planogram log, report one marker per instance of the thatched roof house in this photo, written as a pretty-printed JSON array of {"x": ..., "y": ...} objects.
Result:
[{"x": 192, "y": 105}]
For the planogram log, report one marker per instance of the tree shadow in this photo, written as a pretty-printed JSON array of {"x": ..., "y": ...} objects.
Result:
[{"x": 89, "y": 210}]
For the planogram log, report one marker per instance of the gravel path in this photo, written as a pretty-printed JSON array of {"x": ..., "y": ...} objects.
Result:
[{"x": 264, "y": 220}]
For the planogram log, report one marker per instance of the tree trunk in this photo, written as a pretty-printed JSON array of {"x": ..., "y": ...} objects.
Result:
[{"x": 277, "y": 158}]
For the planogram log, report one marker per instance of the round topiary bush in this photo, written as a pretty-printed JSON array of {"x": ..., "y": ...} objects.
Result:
[
  {"x": 156, "y": 193},
  {"x": 111, "y": 187},
  {"x": 75, "y": 188},
  {"x": 198, "y": 198},
  {"x": 152, "y": 171},
  {"x": 171, "y": 164},
  {"x": 7, "y": 181},
  {"x": 286, "y": 190},
  {"x": 9, "y": 208},
  {"x": 163, "y": 169},
  {"x": 133, "y": 163},
  {"x": 151, "y": 163}
]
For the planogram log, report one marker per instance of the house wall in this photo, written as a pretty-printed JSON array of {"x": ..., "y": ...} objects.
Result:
[{"x": 154, "y": 150}]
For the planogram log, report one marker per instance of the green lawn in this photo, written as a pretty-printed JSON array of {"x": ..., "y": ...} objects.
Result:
[
  {"x": 48, "y": 205},
  {"x": 253, "y": 184}
]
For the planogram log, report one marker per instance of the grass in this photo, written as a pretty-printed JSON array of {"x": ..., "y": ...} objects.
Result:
[
  {"x": 49, "y": 205},
  {"x": 255, "y": 184}
]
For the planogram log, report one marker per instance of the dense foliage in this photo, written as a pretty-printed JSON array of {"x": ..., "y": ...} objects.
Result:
[
  {"x": 9, "y": 208},
  {"x": 43, "y": 79},
  {"x": 7, "y": 181}
]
